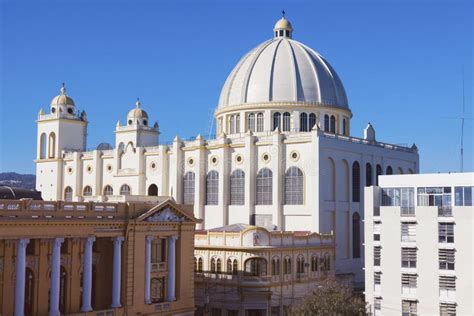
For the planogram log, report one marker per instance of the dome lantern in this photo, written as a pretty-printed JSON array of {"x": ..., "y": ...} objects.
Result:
[{"x": 283, "y": 28}]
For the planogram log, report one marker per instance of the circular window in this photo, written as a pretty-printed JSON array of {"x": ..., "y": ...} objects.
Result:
[
  {"x": 145, "y": 122},
  {"x": 191, "y": 161},
  {"x": 109, "y": 168},
  {"x": 239, "y": 159},
  {"x": 69, "y": 110},
  {"x": 89, "y": 169},
  {"x": 266, "y": 157},
  {"x": 53, "y": 110},
  {"x": 294, "y": 155},
  {"x": 129, "y": 122},
  {"x": 214, "y": 160},
  {"x": 153, "y": 165},
  {"x": 69, "y": 170}
]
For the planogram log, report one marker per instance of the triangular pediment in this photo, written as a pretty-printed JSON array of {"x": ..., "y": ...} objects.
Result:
[{"x": 167, "y": 211}]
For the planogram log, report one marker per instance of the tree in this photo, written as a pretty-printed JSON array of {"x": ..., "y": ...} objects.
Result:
[{"x": 330, "y": 298}]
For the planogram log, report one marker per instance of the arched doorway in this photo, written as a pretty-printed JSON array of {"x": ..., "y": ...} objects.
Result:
[{"x": 153, "y": 190}]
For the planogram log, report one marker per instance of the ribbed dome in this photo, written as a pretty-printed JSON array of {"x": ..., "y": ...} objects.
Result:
[
  {"x": 137, "y": 112},
  {"x": 62, "y": 98},
  {"x": 283, "y": 70}
]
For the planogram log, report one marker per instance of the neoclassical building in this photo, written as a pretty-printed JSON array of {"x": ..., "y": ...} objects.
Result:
[
  {"x": 283, "y": 154},
  {"x": 248, "y": 270},
  {"x": 88, "y": 258}
]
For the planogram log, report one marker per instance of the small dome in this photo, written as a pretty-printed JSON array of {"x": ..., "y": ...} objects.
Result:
[
  {"x": 283, "y": 24},
  {"x": 62, "y": 98},
  {"x": 137, "y": 112}
]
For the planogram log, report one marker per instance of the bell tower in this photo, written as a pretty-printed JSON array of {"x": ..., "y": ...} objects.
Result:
[{"x": 62, "y": 129}]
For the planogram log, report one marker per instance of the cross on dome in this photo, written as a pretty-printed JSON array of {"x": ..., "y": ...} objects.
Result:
[
  {"x": 138, "y": 103},
  {"x": 62, "y": 91}
]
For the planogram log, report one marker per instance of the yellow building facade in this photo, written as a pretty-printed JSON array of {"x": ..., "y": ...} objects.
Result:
[{"x": 128, "y": 258}]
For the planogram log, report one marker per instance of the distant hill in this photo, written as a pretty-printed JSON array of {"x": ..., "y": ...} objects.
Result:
[{"x": 13, "y": 179}]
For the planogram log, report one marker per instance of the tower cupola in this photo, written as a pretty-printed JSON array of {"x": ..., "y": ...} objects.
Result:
[
  {"x": 283, "y": 28},
  {"x": 62, "y": 103}
]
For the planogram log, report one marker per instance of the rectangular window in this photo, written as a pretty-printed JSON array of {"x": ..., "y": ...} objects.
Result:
[
  {"x": 446, "y": 232},
  {"x": 409, "y": 280},
  {"x": 447, "y": 286},
  {"x": 377, "y": 305},
  {"x": 377, "y": 255},
  {"x": 463, "y": 196},
  {"x": 434, "y": 196},
  {"x": 446, "y": 259},
  {"x": 158, "y": 248},
  {"x": 409, "y": 308},
  {"x": 377, "y": 281},
  {"x": 408, "y": 231},
  {"x": 447, "y": 309},
  {"x": 408, "y": 257},
  {"x": 376, "y": 230},
  {"x": 403, "y": 197}
]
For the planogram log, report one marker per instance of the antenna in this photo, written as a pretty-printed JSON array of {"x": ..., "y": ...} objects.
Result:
[
  {"x": 462, "y": 124},
  {"x": 211, "y": 124}
]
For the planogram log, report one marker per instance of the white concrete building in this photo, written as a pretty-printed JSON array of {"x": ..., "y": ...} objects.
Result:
[
  {"x": 283, "y": 154},
  {"x": 419, "y": 245}
]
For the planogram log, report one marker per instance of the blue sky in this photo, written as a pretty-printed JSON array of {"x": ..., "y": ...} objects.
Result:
[{"x": 401, "y": 63}]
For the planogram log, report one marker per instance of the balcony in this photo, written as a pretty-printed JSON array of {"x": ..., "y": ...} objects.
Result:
[{"x": 407, "y": 211}]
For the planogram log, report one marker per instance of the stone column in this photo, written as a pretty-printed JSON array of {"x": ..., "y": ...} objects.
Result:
[
  {"x": 20, "y": 276},
  {"x": 148, "y": 241},
  {"x": 172, "y": 268},
  {"x": 87, "y": 275},
  {"x": 55, "y": 277},
  {"x": 117, "y": 272}
]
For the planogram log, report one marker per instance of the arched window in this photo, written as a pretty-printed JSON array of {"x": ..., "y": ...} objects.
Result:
[
  {"x": 400, "y": 170},
  {"x": 326, "y": 266},
  {"x": 218, "y": 265},
  {"x": 237, "y": 123},
  {"x": 314, "y": 263},
  {"x": 29, "y": 291},
  {"x": 276, "y": 266},
  {"x": 237, "y": 187},
  {"x": 52, "y": 145},
  {"x": 326, "y": 123},
  {"x": 410, "y": 171},
  {"x": 232, "y": 266},
  {"x": 344, "y": 127},
  {"x": 63, "y": 290},
  {"x": 212, "y": 188},
  {"x": 232, "y": 125},
  {"x": 195, "y": 264},
  {"x": 108, "y": 190},
  {"x": 87, "y": 191},
  {"x": 42, "y": 146},
  {"x": 264, "y": 187},
  {"x": 235, "y": 267},
  {"x": 333, "y": 124},
  {"x": 125, "y": 190},
  {"x": 287, "y": 266},
  {"x": 229, "y": 266},
  {"x": 251, "y": 122},
  {"x": 300, "y": 264},
  {"x": 303, "y": 122},
  {"x": 276, "y": 120},
  {"x": 200, "y": 264},
  {"x": 68, "y": 194},
  {"x": 213, "y": 265},
  {"x": 294, "y": 186},
  {"x": 153, "y": 190},
  {"x": 389, "y": 170},
  {"x": 312, "y": 121},
  {"x": 355, "y": 182},
  {"x": 368, "y": 174},
  {"x": 121, "y": 146},
  {"x": 378, "y": 172},
  {"x": 256, "y": 267},
  {"x": 188, "y": 188},
  {"x": 356, "y": 235},
  {"x": 286, "y": 121},
  {"x": 260, "y": 122}
]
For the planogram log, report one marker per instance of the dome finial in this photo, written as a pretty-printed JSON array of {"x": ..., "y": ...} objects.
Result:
[
  {"x": 138, "y": 103},
  {"x": 63, "y": 89},
  {"x": 283, "y": 13}
]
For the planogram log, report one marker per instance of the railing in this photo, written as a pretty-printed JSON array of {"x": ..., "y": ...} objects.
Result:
[{"x": 445, "y": 211}]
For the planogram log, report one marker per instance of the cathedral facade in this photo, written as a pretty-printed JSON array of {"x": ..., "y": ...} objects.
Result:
[{"x": 283, "y": 156}]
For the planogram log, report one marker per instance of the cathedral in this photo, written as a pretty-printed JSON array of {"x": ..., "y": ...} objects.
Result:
[{"x": 283, "y": 156}]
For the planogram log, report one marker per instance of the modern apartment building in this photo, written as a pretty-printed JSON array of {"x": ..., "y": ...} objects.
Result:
[{"x": 419, "y": 245}]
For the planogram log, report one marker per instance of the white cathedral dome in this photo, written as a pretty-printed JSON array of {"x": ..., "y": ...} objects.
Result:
[{"x": 283, "y": 70}]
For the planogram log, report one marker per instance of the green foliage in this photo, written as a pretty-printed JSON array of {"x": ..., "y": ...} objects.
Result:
[{"x": 330, "y": 298}]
